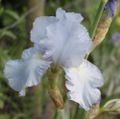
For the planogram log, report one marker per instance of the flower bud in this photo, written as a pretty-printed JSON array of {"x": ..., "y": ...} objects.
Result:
[
  {"x": 112, "y": 106},
  {"x": 105, "y": 22},
  {"x": 111, "y": 7},
  {"x": 54, "y": 92},
  {"x": 102, "y": 30}
]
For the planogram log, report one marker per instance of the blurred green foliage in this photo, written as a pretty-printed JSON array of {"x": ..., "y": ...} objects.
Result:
[{"x": 14, "y": 39}]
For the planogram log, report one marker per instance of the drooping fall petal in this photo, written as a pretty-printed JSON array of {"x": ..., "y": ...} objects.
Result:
[
  {"x": 83, "y": 83},
  {"x": 26, "y": 72}
]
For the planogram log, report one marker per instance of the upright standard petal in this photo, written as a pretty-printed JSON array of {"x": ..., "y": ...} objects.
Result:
[
  {"x": 67, "y": 42},
  {"x": 38, "y": 31},
  {"x": 83, "y": 83},
  {"x": 63, "y": 38},
  {"x": 61, "y": 14},
  {"x": 26, "y": 72}
]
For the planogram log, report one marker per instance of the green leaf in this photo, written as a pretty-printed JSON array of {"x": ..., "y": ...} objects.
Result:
[
  {"x": 8, "y": 34},
  {"x": 12, "y": 14},
  {"x": 4, "y": 116},
  {"x": 1, "y": 104},
  {"x": 1, "y": 11}
]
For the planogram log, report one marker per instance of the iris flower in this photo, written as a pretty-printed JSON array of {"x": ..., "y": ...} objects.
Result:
[
  {"x": 64, "y": 41},
  {"x": 115, "y": 37}
]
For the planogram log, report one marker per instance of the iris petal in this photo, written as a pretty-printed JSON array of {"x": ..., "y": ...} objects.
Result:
[
  {"x": 61, "y": 14},
  {"x": 64, "y": 40},
  {"x": 26, "y": 72},
  {"x": 83, "y": 83},
  {"x": 38, "y": 31},
  {"x": 67, "y": 42}
]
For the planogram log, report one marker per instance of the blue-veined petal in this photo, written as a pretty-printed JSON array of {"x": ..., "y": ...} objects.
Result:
[
  {"x": 83, "y": 83},
  {"x": 28, "y": 53}
]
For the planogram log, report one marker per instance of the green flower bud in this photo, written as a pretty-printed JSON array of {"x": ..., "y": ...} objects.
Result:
[
  {"x": 54, "y": 92},
  {"x": 102, "y": 30},
  {"x": 112, "y": 106},
  {"x": 105, "y": 22}
]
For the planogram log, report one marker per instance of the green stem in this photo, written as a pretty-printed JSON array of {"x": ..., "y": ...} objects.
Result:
[
  {"x": 56, "y": 115},
  {"x": 87, "y": 116},
  {"x": 97, "y": 18},
  {"x": 76, "y": 112}
]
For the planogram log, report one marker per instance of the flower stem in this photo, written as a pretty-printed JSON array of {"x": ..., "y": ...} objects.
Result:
[
  {"x": 54, "y": 91},
  {"x": 76, "y": 112},
  {"x": 94, "y": 112},
  {"x": 56, "y": 115},
  {"x": 97, "y": 18}
]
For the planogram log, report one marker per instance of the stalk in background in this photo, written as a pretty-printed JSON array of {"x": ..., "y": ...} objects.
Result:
[{"x": 37, "y": 7}]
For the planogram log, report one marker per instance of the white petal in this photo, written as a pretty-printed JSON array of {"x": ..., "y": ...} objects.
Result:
[
  {"x": 67, "y": 42},
  {"x": 25, "y": 73},
  {"x": 22, "y": 92},
  {"x": 61, "y": 14},
  {"x": 38, "y": 31},
  {"x": 83, "y": 83}
]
